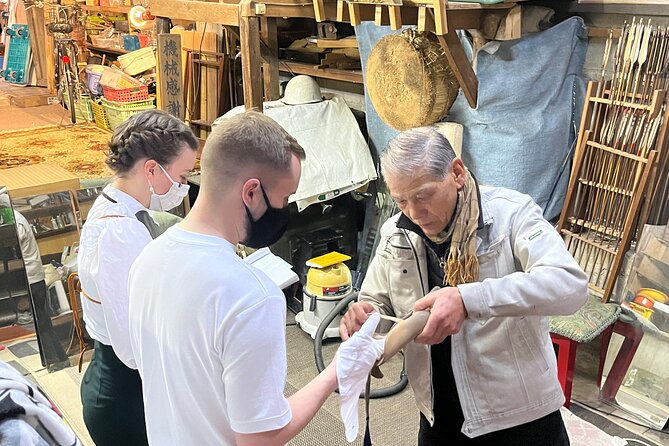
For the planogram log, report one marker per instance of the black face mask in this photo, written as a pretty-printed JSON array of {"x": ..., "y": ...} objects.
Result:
[{"x": 269, "y": 228}]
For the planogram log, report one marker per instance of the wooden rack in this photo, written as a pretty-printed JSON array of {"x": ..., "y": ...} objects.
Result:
[
  {"x": 257, "y": 27},
  {"x": 608, "y": 189}
]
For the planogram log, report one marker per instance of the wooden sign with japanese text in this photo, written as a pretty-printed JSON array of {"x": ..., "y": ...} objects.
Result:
[{"x": 170, "y": 80}]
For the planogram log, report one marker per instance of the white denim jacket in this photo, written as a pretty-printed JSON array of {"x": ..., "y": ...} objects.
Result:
[{"x": 503, "y": 360}]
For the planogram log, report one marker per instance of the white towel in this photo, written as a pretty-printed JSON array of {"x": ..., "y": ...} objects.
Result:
[{"x": 355, "y": 359}]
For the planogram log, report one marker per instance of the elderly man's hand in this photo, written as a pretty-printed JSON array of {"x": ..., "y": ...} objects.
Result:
[
  {"x": 356, "y": 315},
  {"x": 447, "y": 313}
]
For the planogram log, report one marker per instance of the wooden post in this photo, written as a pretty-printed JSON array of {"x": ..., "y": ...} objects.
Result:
[
  {"x": 354, "y": 13},
  {"x": 440, "y": 20},
  {"x": 249, "y": 34},
  {"x": 319, "y": 10},
  {"x": 163, "y": 25},
  {"x": 35, "y": 18},
  {"x": 460, "y": 65},
  {"x": 270, "y": 68},
  {"x": 395, "y": 14}
]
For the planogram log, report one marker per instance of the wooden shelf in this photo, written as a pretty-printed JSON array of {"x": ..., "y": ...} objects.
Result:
[
  {"x": 52, "y": 232},
  {"x": 289, "y": 66},
  {"x": 46, "y": 210},
  {"x": 107, "y": 50},
  {"x": 116, "y": 9}
]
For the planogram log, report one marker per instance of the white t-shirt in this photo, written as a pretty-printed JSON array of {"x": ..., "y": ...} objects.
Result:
[
  {"x": 110, "y": 241},
  {"x": 208, "y": 334}
]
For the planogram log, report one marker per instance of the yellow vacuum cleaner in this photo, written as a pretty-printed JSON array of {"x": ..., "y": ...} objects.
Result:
[{"x": 328, "y": 282}]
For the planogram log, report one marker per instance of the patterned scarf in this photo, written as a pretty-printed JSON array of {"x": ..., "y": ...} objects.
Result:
[{"x": 462, "y": 265}]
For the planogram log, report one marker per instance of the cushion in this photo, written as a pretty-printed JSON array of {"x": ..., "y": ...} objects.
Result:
[{"x": 588, "y": 322}]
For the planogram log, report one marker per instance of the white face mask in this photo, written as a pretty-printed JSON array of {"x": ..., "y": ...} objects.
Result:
[{"x": 170, "y": 199}]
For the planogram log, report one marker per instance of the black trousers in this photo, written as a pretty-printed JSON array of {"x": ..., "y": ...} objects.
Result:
[
  {"x": 48, "y": 341},
  {"x": 546, "y": 431},
  {"x": 111, "y": 394}
]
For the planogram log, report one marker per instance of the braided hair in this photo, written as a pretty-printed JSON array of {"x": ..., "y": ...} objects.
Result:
[{"x": 151, "y": 134}]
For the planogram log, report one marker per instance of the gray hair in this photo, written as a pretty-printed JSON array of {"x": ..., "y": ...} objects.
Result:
[{"x": 421, "y": 149}]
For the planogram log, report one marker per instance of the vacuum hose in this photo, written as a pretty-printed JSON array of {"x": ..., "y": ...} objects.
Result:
[{"x": 318, "y": 353}]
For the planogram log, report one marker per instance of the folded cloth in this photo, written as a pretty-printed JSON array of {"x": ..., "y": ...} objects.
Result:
[
  {"x": 338, "y": 157},
  {"x": 23, "y": 401},
  {"x": 355, "y": 359}
]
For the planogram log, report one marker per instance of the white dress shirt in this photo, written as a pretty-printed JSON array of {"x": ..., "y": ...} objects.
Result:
[{"x": 111, "y": 240}]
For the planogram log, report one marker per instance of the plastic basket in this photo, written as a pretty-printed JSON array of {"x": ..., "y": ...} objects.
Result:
[
  {"x": 118, "y": 112},
  {"x": 82, "y": 107},
  {"x": 100, "y": 115},
  {"x": 138, "y": 61},
  {"x": 93, "y": 82},
  {"x": 143, "y": 40},
  {"x": 126, "y": 95}
]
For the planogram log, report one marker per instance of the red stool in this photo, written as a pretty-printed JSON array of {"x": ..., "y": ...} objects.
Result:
[
  {"x": 633, "y": 334},
  {"x": 566, "y": 358}
]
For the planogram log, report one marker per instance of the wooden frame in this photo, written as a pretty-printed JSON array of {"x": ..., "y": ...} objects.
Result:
[{"x": 257, "y": 27}]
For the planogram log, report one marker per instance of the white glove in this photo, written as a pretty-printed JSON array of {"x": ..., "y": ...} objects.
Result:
[{"x": 355, "y": 359}]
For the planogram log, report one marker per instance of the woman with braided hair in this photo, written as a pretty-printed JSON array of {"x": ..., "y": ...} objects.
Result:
[{"x": 150, "y": 154}]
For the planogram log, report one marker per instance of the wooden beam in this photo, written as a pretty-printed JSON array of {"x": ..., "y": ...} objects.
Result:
[
  {"x": 319, "y": 10},
  {"x": 35, "y": 19},
  {"x": 425, "y": 22},
  {"x": 395, "y": 13},
  {"x": 353, "y": 76},
  {"x": 354, "y": 13},
  {"x": 222, "y": 13},
  {"x": 460, "y": 65},
  {"x": 381, "y": 19},
  {"x": 270, "y": 69},
  {"x": 249, "y": 34},
  {"x": 440, "y": 19}
]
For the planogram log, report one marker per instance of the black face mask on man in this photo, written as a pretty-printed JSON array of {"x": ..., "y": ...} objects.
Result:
[{"x": 269, "y": 228}]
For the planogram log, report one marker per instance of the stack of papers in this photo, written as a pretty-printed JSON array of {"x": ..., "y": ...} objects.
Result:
[{"x": 277, "y": 269}]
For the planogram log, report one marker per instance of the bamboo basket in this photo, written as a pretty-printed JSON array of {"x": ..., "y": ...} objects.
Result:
[{"x": 409, "y": 80}]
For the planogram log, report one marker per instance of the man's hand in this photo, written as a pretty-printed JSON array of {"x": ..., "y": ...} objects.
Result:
[
  {"x": 356, "y": 315},
  {"x": 447, "y": 313}
]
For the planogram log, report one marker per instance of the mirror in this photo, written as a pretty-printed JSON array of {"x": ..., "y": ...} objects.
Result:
[{"x": 23, "y": 283}]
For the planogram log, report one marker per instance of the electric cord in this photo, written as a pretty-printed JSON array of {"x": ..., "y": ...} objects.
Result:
[{"x": 318, "y": 353}]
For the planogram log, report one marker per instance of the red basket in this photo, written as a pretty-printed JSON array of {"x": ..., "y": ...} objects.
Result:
[
  {"x": 143, "y": 40},
  {"x": 127, "y": 95}
]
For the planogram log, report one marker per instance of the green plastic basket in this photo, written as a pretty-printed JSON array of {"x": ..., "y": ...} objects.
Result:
[
  {"x": 118, "y": 112},
  {"x": 83, "y": 109}
]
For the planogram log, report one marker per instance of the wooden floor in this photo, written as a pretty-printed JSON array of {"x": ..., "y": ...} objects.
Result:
[{"x": 17, "y": 112}]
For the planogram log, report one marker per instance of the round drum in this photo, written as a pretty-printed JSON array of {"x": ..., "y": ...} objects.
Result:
[{"x": 409, "y": 80}]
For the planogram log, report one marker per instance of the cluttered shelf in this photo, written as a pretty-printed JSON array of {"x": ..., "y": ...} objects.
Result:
[
  {"x": 35, "y": 212},
  {"x": 289, "y": 66},
  {"x": 52, "y": 232},
  {"x": 117, "y": 9},
  {"x": 107, "y": 50}
]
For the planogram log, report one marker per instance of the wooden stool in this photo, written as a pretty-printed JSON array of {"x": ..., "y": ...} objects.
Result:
[
  {"x": 566, "y": 358},
  {"x": 633, "y": 334}
]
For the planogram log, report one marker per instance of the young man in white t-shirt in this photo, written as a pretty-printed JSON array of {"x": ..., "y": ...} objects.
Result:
[{"x": 207, "y": 329}]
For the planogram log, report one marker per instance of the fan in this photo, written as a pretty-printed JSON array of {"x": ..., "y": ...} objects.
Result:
[{"x": 140, "y": 17}]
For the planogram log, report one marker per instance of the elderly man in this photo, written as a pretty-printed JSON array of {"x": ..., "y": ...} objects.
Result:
[{"x": 483, "y": 370}]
